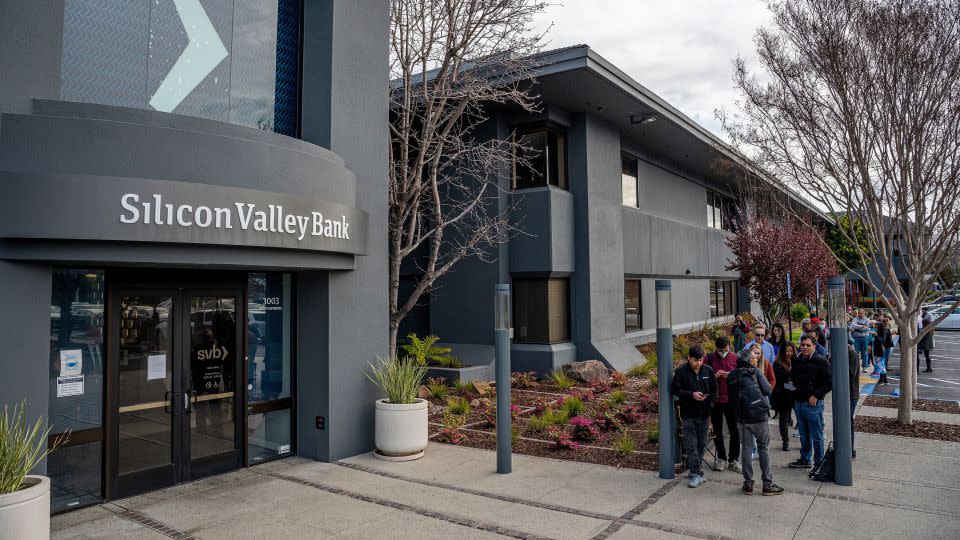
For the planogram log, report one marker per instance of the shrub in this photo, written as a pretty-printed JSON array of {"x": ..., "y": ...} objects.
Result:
[
  {"x": 538, "y": 423},
  {"x": 624, "y": 444},
  {"x": 600, "y": 386},
  {"x": 572, "y": 406},
  {"x": 550, "y": 417},
  {"x": 452, "y": 420},
  {"x": 628, "y": 414},
  {"x": 649, "y": 402},
  {"x": 799, "y": 311},
  {"x": 642, "y": 370},
  {"x": 561, "y": 380},
  {"x": 452, "y": 436},
  {"x": 425, "y": 350},
  {"x": 617, "y": 397},
  {"x": 398, "y": 378},
  {"x": 609, "y": 422},
  {"x": 522, "y": 380},
  {"x": 438, "y": 390},
  {"x": 583, "y": 429},
  {"x": 618, "y": 379},
  {"x": 562, "y": 440},
  {"x": 458, "y": 405},
  {"x": 22, "y": 446},
  {"x": 461, "y": 387},
  {"x": 653, "y": 432}
]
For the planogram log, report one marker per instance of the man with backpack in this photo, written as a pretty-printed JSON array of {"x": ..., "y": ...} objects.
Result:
[
  {"x": 695, "y": 386},
  {"x": 813, "y": 380},
  {"x": 723, "y": 361},
  {"x": 752, "y": 398}
]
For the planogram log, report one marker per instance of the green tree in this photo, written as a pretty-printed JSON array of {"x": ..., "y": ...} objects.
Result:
[{"x": 846, "y": 253}]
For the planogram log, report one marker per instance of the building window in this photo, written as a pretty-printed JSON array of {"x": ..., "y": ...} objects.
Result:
[
  {"x": 540, "y": 158},
  {"x": 76, "y": 386},
  {"x": 722, "y": 298},
  {"x": 719, "y": 211},
  {"x": 632, "y": 311},
  {"x": 541, "y": 310},
  {"x": 628, "y": 175}
]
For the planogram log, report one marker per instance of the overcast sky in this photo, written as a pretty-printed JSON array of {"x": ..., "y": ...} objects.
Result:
[{"x": 680, "y": 49}]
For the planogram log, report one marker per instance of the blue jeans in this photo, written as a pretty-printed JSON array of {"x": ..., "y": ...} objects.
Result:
[
  {"x": 853, "y": 430},
  {"x": 810, "y": 426},
  {"x": 860, "y": 344}
]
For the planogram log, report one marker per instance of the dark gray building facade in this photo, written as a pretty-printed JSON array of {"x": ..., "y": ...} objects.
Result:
[
  {"x": 625, "y": 190},
  {"x": 193, "y": 233}
]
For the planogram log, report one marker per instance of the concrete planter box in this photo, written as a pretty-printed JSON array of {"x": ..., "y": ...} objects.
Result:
[
  {"x": 25, "y": 514},
  {"x": 463, "y": 374},
  {"x": 400, "y": 430}
]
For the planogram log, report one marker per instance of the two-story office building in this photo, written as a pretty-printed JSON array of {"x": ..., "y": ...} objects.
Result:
[
  {"x": 624, "y": 190},
  {"x": 193, "y": 232}
]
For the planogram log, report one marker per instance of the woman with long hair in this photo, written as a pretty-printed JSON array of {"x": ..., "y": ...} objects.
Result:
[
  {"x": 881, "y": 335},
  {"x": 782, "y": 399},
  {"x": 778, "y": 337}
]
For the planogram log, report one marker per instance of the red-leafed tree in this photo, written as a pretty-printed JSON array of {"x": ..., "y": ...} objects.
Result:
[{"x": 766, "y": 251}]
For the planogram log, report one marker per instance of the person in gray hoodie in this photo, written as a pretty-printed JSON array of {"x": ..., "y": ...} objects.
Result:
[
  {"x": 860, "y": 332},
  {"x": 750, "y": 391}
]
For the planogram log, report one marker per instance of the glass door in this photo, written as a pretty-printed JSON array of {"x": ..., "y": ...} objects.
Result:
[
  {"x": 149, "y": 405},
  {"x": 211, "y": 372}
]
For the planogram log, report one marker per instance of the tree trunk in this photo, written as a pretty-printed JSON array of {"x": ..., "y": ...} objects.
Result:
[
  {"x": 392, "y": 342},
  {"x": 908, "y": 373}
]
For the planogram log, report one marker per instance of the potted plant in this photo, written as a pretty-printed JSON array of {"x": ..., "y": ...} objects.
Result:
[
  {"x": 400, "y": 420},
  {"x": 24, "y": 499}
]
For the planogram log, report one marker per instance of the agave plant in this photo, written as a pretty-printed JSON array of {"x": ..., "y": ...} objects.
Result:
[
  {"x": 425, "y": 350},
  {"x": 399, "y": 379},
  {"x": 22, "y": 446}
]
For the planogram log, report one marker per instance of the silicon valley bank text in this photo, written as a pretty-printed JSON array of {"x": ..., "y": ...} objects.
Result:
[{"x": 245, "y": 215}]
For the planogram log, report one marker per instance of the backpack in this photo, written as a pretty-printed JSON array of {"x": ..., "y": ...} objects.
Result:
[
  {"x": 825, "y": 470},
  {"x": 753, "y": 404}
]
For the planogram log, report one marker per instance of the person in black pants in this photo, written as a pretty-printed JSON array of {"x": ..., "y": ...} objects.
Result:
[
  {"x": 723, "y": 362},
  {"x": 926, "y": 342},
  {"x": 854, "y": 358},
  {"x": 695, "y": 386},
  {"x": 782, "y": 399}
]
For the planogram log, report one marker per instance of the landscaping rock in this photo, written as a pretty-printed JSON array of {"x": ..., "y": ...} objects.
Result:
[
  {"x": 587, "y": 371},
  {"x": 424, "y": 392},
  {"x": 474, "y": 403},
  {"x": 482, "y": 387}
]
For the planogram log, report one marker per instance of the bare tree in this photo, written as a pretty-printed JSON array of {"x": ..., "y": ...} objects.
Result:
[
  {"x": 450, "y": 59},
  {"x": 859, "y": 111}
]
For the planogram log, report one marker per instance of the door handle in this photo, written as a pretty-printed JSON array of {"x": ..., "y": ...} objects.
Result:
[
  {"x": 168, "y": 408},
  {"x": 189, "y": 400}
]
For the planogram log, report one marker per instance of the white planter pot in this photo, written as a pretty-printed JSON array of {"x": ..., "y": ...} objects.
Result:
[
  {"x": 25, "y": 514},
  {"x": 401, "y": 430}
]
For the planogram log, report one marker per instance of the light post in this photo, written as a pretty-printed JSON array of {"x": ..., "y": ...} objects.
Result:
[
  {"x": 667, "y": 430},
  {"x": 504, "y": 332},
  {"x": 840, "y": 356}
]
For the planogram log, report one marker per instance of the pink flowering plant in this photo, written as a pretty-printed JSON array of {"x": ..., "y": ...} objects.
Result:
[
  {"x": 583, "y": 429},
  {"x": 452, "y": 436},
  {"x": 561, "y": 439}
]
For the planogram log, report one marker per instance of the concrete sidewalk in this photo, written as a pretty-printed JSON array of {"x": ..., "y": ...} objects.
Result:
[{"x": 903, "y": 488}]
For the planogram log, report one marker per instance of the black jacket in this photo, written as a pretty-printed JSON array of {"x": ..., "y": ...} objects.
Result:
[
  {"x": 782, "y": 399},
  {"x": 740, "y": 379},
  {"x": 686, "y": 382},
  {"x": 854, "y": 371},
  {"x": 811, "y": 376}
]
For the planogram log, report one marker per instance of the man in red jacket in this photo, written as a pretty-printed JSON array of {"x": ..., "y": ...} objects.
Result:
[{"x": 723, "y": 361}]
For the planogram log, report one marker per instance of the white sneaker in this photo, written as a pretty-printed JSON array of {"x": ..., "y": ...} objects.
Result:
[
  {"x": 696, "y": 481},
  {"x": 719, "y": 465},
  {"x": 735, "y": 466}
]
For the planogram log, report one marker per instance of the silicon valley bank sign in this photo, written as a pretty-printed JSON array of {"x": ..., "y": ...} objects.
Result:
[{"x": 100, "y": 208}]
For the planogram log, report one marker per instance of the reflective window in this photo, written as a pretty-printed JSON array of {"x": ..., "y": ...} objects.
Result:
[
  {"x": 541, "y": 158},
  {"x": 76, "y": 386},
  {"x": 719, "y": 211},
  {"x": 269, "y": 366},
  {"x": 541, "y": 310},
  {"x": 633, "y": 316},
  {"x": 230, "y": 60},
  {"x": 629, "y": 181},
  {"x": 722, "y": 298}
]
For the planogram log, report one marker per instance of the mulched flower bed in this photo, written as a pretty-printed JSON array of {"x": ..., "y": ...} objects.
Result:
[
  {"x": 919, "y": 430},
  {"x": 590, "y": 436},
  {"x": 928, "y": 405}
]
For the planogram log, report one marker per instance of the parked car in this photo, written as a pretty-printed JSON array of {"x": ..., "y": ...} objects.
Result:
[{"x": 952, "y": 322}]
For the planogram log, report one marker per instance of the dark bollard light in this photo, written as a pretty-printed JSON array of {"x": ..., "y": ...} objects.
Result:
[
  {"x": 839, "y": 355},
  {"x": 504, "y": 332},
  {"x": 667, "y": 421}
]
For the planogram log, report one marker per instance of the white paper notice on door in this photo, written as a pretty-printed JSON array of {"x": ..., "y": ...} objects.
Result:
[
  {"x": 156, "y": 366},
  {"x": 70, "y": 386},
  {"x": 71, "y": 362}
]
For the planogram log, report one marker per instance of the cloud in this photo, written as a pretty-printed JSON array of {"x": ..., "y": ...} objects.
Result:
[{"x": 682, "y": 50}]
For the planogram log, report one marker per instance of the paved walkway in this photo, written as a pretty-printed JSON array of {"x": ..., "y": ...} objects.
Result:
[{"x": 906, "y": 488}]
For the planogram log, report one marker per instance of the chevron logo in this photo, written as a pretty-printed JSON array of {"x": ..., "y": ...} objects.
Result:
[{"x": 203, "y": 53}]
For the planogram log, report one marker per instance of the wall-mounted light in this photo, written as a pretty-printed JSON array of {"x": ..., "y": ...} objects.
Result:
[
  {"x": 688, "y": 271},
  {"x": 639, "y": 119}
]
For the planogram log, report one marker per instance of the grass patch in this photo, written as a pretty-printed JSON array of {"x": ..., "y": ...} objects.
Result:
[{"x": 562, "y": 380}]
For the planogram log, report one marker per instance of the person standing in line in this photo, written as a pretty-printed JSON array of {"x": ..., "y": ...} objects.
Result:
[
  {"x": 695, "y": 386},
  {"x": 880, "y": 341},
  {"x": 812, "y": 377},
  {"x": 814, "y": 334},
  {"x": 759, "y": 335},
  {"x": 739, "y": 332},
  {"x": 723, "y": 361},
  {"x": 854, "y": 360},
  {"x": 778, "y": 336},
  {"x": 926, "y": 342},
  {"x": 860, "y": 331},
  {"x": 782, "y": 400},
  {"x": 752, "y": 392}
]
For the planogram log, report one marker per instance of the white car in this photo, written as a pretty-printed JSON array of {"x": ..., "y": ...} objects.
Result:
[{"x": 952, "y": 322}]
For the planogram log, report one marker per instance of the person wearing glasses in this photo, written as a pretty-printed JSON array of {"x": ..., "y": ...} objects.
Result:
[{"x": 812, "y": 380}]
